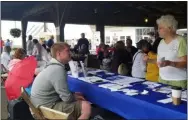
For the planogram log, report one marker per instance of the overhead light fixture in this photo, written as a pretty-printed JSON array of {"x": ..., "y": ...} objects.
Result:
[
  {"x": 146, "y": 20},
  {"x": 95, "y": 10}
]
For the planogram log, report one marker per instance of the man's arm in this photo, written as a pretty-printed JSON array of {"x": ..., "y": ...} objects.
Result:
[
  {"x": 61, "y": 87},
  {"x": 182, "y": 54},
  {"x": 182, "y": 64}
]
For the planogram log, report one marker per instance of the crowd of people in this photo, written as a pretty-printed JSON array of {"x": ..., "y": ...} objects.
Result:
[
  {"x": 163, "y": 59},
  {"x": 160, "y": 59}
]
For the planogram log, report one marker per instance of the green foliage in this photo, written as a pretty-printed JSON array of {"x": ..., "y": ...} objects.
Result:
[{"x": 15, "y": 32}]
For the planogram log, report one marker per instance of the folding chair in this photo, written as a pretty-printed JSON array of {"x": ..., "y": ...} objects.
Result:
[{"x": 42, "y": 112}]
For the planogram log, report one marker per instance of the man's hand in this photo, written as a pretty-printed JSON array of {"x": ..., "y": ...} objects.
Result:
[{"x": 79, "y": 96}]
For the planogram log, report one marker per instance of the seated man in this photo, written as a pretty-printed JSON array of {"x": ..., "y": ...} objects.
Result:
[{"x": 50, "y": 87}]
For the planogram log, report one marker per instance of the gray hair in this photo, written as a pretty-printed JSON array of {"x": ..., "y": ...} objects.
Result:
[{"x": 168, "y": 21}]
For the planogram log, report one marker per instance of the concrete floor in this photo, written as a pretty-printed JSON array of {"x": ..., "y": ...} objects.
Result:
[{"x": 3, "y": 104}]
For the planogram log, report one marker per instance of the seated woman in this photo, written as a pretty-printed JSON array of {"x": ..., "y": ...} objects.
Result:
[
  {"x": 171, "y": 54},
  {"x": 139, "y": 65},
  {"x": 19, "y": 55},
  {"x": 152, "y": 72}
]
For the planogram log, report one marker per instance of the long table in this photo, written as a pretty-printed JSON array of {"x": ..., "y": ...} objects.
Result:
[{"x": 129, "y": 107}]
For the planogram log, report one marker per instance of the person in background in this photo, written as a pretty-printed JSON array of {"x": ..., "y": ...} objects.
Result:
[
  {"x": 8, "y": 43},
  {"x": 50, "y": 42},
  {"x": 5, "y": 56},
  {"x": 54, "y": 92},
  {"x": 131, "y": 49},
  {"x": 104, "y": 58},
  {"x": 1, "y": 44},
  {"x": 19, "y": 55},
  {"x": 139, "y": 65},
  {"x": 42, "y": 42},
  {"x": 106, "y": 61},
  {"x": 120, "y": 56},
  {"x": 152, "y": 72},
  {"x": 151, "y": 38},
  {"x": 83, "y": 45},
  {"x": 100, "y": 54},
  {"x": 37, "y": 50},
  {"x": 99, "y": 48},
  {"x": 172, "y": 53},
  {"x": 30, "y": 45}
]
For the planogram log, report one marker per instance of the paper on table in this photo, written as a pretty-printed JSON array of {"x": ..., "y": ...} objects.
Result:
[
  {"x": 184, "y": 94},
  {"x": 151, "y": 84},
  {"x": 69, "y": 72},
  {"x": 106, "y": 85},
  {"x": 165, "y": 101},
  {"x": 145, "y": 92},
  {"x": 127, "y": 80},
  {"x": 115, "y": 87},
  {"x": 92, "y": 79},
  {"x": 108, "y": 73},
  {"x": 129, "y": 90},
  {"x": 131, "y": 94},
  {"x": 83, "y": 69},
  {"x": 74, "y": 68},
  {"x": 166, "y": 90}
]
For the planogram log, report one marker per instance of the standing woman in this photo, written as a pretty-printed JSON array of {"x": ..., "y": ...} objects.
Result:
[
  {"x": 139, "y": 65},
  {"x": 172, "y": 53}
]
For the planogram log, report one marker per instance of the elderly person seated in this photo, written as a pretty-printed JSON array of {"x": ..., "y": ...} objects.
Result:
[
  {"x": 172, "y": 53},
  {"x": 19, "y": 55}
]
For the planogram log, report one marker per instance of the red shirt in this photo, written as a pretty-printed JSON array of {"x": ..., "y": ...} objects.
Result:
[
  {"x": 1, "y": 43},
  {"x": 98, "y": 50}
]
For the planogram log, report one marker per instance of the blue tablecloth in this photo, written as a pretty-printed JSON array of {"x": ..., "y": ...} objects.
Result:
[{"x": 129, "y": 107}]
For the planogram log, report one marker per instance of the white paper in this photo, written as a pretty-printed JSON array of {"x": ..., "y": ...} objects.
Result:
[
  {"x": 83, "y": 69},
  {"x": 108, "y": 73},
  {"x": 131, "y": 94},
  {"x": 126, "y": 81},
  {"x": 129, "y": 90},
  {"x": 145, "y": 92},
  {"x": 74, "y": 68},
  {"x": 115, "y": 87},
  {"x": 151, "y": 84},
  {"x": 165, "y": 90},
  {"x": 92, "y": 79},
  {"x": 165, "y": 101},
  {"x": 69, "y": 72},
  {"x": 106, "y": 85},
  {"x": 184, "y": 95}
]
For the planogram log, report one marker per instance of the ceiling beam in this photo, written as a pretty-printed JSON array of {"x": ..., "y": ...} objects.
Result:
[{"x": 38, "y": 9}]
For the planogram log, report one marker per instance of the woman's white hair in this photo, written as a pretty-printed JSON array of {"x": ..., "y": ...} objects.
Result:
[{"x": 168, "y": 21}]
